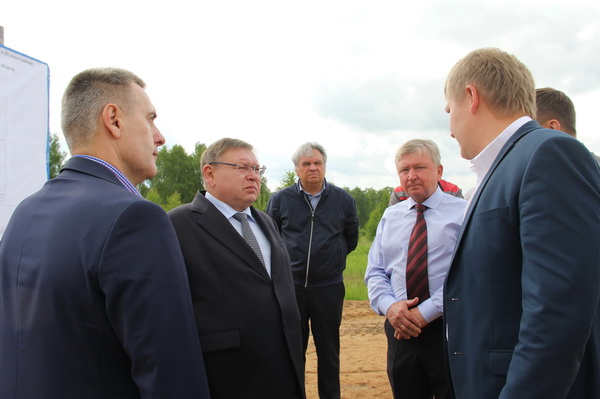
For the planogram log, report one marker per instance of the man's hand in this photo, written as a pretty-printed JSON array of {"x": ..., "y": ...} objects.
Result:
[{"x": 406, "y": 319}]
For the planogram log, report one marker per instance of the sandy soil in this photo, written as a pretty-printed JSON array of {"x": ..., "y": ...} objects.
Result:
[{"x": 363, "y": 352}]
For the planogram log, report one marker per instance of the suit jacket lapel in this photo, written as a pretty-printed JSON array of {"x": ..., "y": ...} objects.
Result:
[{"x": 211, "y": 220}]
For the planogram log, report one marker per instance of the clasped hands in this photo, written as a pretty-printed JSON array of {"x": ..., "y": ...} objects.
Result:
[{"x": 406, "y": 319}]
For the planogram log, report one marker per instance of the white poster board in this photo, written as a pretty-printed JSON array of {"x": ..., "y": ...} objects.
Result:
[{"x": 24, "y": 130}]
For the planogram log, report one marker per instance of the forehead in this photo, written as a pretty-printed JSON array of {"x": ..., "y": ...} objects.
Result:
[
  {"x": 141, "y": 99},
  {"x": 236, "y": 155},
  {"x": 417, "y": 156}
]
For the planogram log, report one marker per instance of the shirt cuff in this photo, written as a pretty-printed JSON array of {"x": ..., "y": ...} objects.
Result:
[
  {"x": 429, "y": 311},
  {"x": 385, "y": 303}
]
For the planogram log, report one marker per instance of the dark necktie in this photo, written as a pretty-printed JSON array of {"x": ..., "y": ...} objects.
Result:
[
  {"x": 417, "y": 281},
  {"x": 249, "y": 235}
]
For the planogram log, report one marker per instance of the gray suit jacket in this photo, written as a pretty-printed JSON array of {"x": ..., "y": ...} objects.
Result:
[{"x": 248, "y": 322}]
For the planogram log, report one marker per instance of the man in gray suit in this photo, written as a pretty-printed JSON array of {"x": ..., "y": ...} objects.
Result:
[{"x": 241, "y": 281}]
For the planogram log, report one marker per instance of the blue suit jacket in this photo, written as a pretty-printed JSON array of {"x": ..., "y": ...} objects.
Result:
[
  {"x": 95, "y": 301},
  {"x": 522, "y": 293}
]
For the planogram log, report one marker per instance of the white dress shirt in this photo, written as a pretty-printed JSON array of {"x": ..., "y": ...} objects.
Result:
[
  {"x": 482, "y": 163},
  {"x": 228, "y": 212},
  {"x": 386, "y": 269}
]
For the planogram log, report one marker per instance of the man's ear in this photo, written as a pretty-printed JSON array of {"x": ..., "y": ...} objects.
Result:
[
  {"x": 474, "y": 97},
  {"x": 553, "y": 124},
  {"x": 111, "y": 117},
  {"x": 208, "y": 175}
]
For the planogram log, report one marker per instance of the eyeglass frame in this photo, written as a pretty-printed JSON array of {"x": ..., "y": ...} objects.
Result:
[{"x": 257, "y": 169}]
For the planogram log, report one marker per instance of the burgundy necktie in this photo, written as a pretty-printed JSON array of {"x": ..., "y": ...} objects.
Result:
[{"x": 417, "y": 282}]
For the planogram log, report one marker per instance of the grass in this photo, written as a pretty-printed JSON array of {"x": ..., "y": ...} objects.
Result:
[{"x": 354, "y": 275}]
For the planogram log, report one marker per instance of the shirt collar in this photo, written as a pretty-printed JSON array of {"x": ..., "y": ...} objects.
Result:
[
  {"x": 432, "y": 202},
  {"x": 118, "y": 174},
  {"x": 484, "y": 160},
  {"x": 309, "y": 194},
  {"x": 225, "y": 209}
]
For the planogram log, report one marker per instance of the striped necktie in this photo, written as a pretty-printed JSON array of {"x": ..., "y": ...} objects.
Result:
[{"x": 417, "y": 281}]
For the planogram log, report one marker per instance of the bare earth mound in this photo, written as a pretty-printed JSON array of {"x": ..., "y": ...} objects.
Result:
[{"x": 363, "y": 355}]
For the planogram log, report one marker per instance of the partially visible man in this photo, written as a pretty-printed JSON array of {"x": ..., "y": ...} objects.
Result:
[
  {"x": 407, "y": 264},
  {"x": 398, "y": 194},
  {"x": 241, "y": 281},
  {"x": 556, "y": 111},
  {"x": 319, "y": 225},
  {"x": 522, "y": 294},
  {"x": 94, "y": 295}
]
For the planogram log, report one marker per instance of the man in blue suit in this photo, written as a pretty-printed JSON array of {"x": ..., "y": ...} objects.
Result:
[
  {"x": 94, "y": 298},
  {"x": 522, "y": 294}
]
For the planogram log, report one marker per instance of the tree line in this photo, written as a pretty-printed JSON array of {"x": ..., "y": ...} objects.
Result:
[{"x": 179, "y": 179}]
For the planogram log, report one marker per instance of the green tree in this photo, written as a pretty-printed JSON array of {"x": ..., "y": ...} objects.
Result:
[
  {"x": 367, "y": 200},
  {"x": 57, "y": 157},
  {"x": 152, "y": 195},
  {"x": 178, "y": 172},
  {"x": 370, "y": 228},
  {"x": 173, "y": 201},
  {"x": 265, "y": 194},
  {"x": 288, "y": 179}
]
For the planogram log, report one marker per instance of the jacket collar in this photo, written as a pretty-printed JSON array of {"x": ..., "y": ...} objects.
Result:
[
  {"x": 89, "y": 167},
  {"x": 326, "y": 187}
]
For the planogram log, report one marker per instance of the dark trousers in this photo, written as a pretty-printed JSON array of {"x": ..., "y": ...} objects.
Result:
[
  {"x": 416, "y": 367},
  {"x": 323, "y": 307}
]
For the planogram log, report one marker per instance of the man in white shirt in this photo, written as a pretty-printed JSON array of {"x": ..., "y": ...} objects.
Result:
[{"x": 413, "y": 325}]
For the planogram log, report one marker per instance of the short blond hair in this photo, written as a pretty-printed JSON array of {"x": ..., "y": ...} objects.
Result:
[{"x": 501, "y": 79}]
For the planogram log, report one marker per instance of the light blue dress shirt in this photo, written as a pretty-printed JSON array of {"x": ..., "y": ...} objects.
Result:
[
  {"x": 228, "y": 212},
  {"x": 386, "y": 269}
]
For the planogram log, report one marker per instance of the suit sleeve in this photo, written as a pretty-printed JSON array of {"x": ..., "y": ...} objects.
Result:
[
  {"x": 559, "y": 230},
  {"x": 148, "y": 302}
]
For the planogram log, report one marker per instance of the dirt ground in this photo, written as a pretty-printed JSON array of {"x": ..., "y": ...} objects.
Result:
[{"x": 363, "y": 351}]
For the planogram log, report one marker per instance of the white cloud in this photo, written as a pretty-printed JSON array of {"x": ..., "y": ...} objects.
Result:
[{"x": 359, "y": 77}]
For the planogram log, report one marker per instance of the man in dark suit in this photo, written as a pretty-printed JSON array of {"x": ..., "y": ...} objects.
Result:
[
  {"x": 522, "y": 294},
  {"x": 94, "y": 296},
  {"x": 555, "y": 110},
  {"x": 241, "y": 281}
]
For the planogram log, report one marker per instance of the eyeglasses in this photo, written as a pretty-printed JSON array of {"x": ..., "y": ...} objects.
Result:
[{"x": 244, "y": 169}]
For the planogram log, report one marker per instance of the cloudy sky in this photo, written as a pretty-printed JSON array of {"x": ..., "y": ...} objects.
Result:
[{"x": 359, "y": 77}]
